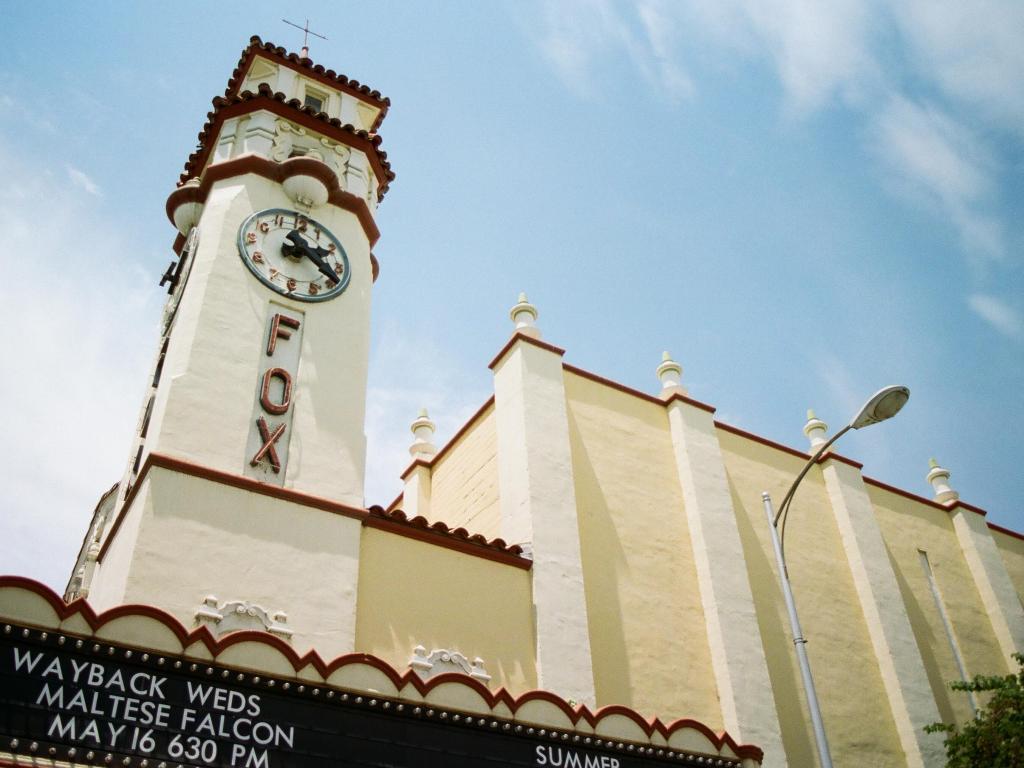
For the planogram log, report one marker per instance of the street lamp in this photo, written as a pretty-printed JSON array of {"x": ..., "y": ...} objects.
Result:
[{"x": 884, "y": 404}]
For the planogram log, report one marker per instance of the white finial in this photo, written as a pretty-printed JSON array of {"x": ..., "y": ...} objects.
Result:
[
  {"x": 422, "y": 429},
  {"x": 815, "y": 429},
  {"x": 670, "y": 374},
  {"x": 939, "y": 478},
  {"x": 524, "y": 316}
]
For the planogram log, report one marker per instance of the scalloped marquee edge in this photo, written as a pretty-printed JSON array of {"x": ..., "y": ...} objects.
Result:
[{"x": 28, "y": 602}]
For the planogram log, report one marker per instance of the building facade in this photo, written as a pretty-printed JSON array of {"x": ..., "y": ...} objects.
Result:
[{"x": 583, "y": 566}]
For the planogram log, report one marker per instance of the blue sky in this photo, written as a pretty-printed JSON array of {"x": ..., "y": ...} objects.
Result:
[{"x": 803, "y": 202}]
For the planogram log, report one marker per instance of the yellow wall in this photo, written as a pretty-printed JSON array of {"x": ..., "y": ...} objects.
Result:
[
  {"x": 1012, "y": 551},
  {"x": 464, "y": 482},
  {"x": 909, "y": 526},
  {"x": 846, "y": 675},
  {"x": 414, "y": 593},
  {"x": 647, "y": 634}
]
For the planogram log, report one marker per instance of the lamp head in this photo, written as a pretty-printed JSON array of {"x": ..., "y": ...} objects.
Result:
[{"x": 884, "y": 404}]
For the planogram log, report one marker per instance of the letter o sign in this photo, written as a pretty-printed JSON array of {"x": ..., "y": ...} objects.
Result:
[{"x": 286, "y": 391}]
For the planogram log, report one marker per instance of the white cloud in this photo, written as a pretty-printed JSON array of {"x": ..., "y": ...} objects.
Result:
[
  {"x": 998, "y": 314},
  {"x": 661, "y": 30},
  {"x": 855, "y": 50},
  {"x": 80, "y": 332},
  {"x": 14, "y": 111},
  {"x": 974, "y": 51},
  {"x": 576, "y": 36},
  {"x": 817, "y": 49},
  {"x": 937, "y": 157},
  {"x": 82, "y": 181}
]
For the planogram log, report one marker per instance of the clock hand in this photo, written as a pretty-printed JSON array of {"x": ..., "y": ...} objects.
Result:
[
  {"x": 300, "y": 247},
  {"x": 316, "y": 257}
]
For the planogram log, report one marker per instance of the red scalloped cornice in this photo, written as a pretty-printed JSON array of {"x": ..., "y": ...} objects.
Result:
[
  {"x": 306, "y": 66},
  {"x": 578, "y": 714},
  {"x": 225, "y": 107}
]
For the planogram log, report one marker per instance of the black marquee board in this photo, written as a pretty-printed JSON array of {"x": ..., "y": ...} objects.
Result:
[{"x": 78, "y": 700}]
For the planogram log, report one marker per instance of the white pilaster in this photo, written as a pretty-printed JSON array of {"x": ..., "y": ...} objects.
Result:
[
  {"x": 993, "y": 582},
  {"x": 737, "y": 655},
  {"x": 896, "y": 651},
  {"x": 417, "y": 491},
  {"x": 538, "y": 507}
]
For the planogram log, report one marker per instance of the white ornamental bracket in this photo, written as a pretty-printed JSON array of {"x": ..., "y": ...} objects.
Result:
[
  {"x": 440, "y": 660},
  {"x": 237, "y": 615}
]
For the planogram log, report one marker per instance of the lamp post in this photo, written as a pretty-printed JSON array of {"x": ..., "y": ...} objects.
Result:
[{"x": 884, "y": 404}]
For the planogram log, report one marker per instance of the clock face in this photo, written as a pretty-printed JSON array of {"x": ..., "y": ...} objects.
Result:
[{"x": 293, "y": 254}]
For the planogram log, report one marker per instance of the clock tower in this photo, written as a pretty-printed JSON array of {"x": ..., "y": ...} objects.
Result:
[{"x": 250, "y": 451}]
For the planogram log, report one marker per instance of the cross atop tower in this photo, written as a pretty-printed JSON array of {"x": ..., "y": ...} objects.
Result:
[{"x": 306, "y": 32}]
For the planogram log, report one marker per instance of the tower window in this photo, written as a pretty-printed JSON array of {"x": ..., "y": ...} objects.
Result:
[{"x": 315, "y": 100}]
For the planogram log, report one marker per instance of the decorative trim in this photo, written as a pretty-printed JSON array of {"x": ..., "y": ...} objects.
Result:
[
  {"x": 689, "y": 400},
  {"x": 221, "y": 619},
  {"x": 925, "y": 500},
  {"x": 762, "y": 440},
  {"x": 279, "y": 104},
  {"x": 636, "y": 392},
  {"x": 613, "y": 384},
  {"x": 416, "y": 463},
  {"x": 440, "y": 660},
  {"x": 840, "y": 458},
  {"x": 278, "y": 172},
  {"x": 312, "y": 661},
  {"x": 1007, "y": 531},
  {"x": 520, "y": 336},
  {"x": 439, "y": 534},
  {"x": 459, "y": 539},
  {"x": 306, "y": 67}
]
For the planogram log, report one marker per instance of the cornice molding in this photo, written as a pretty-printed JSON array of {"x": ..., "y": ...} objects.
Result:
[
  {"x": 278, "y": 172},
  {"x": 102, "y": 630}
]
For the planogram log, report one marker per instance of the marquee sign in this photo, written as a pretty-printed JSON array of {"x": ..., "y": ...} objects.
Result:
[{"x": 72, "y": 699}]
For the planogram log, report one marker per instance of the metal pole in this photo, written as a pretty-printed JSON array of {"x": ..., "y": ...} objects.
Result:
[{"x": 824, "y": 756}]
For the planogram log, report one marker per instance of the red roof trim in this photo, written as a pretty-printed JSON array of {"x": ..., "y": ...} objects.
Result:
[
  {"x": 762, "y": 440},
  {"x": 396, "y": 522},
  {"x": 203, "y": 636},
  {"x": 520, "y": 336},
  {"x": 488, "y": 403},
  {"x": 663, "y": 401},
  {"x": 415, "y": 463},
  {"x": 924, "y": 500},
  {"x": 290, "y": 109},
  {"x": 458, "y": 539},
  {"x": 612, "y": 384},
  {"x": 906, "y": 494},
  {"x": 1007, "y": 531},
  {"x": 305, "y": 67},
  {"x": 839, "y": 457}
]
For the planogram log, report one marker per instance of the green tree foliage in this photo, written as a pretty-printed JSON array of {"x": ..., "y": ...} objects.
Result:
[{"x": 995, "y": 738}]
